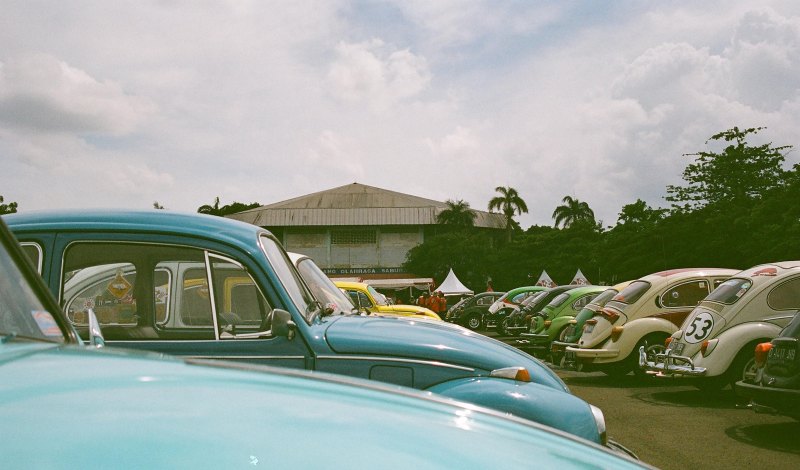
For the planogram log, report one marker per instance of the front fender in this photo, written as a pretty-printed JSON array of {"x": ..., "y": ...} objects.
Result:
[
  {"x": 539, "y": 403},
  {"x": 558, "y": 324}
]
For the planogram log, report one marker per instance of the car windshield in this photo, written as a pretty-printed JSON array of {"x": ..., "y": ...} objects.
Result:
[
  {"x": 323, "y": 288},
  {"x": 632, "y": 293},
  {"x": 377, "y": 296},
  {"x": 22, "y": 314},
  {"x": 290, "y": 278},
  {"x": 730, "y": 291},
  {"x": 534, "y": 299}
]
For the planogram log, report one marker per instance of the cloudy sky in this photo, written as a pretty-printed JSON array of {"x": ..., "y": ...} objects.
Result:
[{"x": 123, "y": 103}]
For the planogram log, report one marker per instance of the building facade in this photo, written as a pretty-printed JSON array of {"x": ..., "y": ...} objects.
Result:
[{"x": 357, "y": 230}]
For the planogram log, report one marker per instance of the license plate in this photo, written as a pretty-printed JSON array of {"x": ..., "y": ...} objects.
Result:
[
  {"x": 677, "y": 349},
  {"x": 782, "y": 355},
  {"x": 588, "y": 328}
]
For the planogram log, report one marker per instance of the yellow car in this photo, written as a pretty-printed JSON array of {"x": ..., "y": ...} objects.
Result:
[{"x": 365, "y": 297}]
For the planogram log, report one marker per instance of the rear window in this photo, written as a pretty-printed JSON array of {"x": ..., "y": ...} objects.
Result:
[
  {"x": 730, "y": 291},
  {"x": 560, "y": 299},
  {"x": 632, "y": 293}
]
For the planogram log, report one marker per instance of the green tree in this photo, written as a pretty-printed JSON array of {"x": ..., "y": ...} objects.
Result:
[
  {"x": 572, "y": 212},
  {"x": 9, "y": 208},
  {"x": 457, "y": 214},
  {"x": 227, "y": 209},
  {"x": 639, "y": 215},
  {"x": 736, "y": 175},
  {"x": 156, "y": 205},
  {"x": 510, "y": 204}
]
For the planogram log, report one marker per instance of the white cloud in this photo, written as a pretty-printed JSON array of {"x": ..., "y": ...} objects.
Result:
[
  {"x": 43, "y": 94},
  {"x": 374, "y": 73}
]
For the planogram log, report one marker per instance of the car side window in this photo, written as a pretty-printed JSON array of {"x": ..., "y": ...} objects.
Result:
[
  {"x": 688, "y": 294},
  {"x": 34, "y": 252},
  {"x": 583, "y": 301},
  {"x": 785, "y": 296},
  {"x": 146, "y": 291},
  {"x": 365, "y": 301}
]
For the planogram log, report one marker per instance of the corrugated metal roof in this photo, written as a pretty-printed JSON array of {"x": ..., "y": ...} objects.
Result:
[{"x": 356, "y": 204}]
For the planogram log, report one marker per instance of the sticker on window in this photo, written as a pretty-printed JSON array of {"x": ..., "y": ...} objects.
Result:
[{"x": 46, "y": 323}]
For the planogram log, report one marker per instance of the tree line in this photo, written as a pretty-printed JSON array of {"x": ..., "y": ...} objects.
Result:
[{"x": 739, "y": 207}]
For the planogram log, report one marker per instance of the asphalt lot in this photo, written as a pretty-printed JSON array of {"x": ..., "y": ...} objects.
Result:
[{"x": 670, "y": 424}]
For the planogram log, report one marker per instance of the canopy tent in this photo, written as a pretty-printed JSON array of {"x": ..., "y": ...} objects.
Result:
[
  {"x": 580, "y": 279},
  {"x": 452, "y": 286},
  {"x": 545, "y": 280}
]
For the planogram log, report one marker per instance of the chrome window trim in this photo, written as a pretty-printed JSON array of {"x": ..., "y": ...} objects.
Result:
[
  {"x": 401, "y": 360},
  {"x": 40, "y": 253}
]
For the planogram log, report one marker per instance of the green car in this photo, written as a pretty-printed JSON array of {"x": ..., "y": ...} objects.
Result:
[{"x": 556, "y": 316}]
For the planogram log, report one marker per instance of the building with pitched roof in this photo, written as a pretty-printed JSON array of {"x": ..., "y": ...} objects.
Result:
[{"x": 357, "y": 230}]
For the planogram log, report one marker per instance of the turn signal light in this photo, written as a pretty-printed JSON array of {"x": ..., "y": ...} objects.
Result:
[
  {"x": 610, "y": 314},
  {"x": 667, "y": 342},
  {"x": 708, "y": 346},
  {"x": 616, "y": 332},
  {"x": 762, "y": 351},
  {"x": 516, "y": 373}
]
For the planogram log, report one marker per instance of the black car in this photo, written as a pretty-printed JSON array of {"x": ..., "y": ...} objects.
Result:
[
  {"x": 469, "y": 311},
  {"x": 776, "y": 387}
]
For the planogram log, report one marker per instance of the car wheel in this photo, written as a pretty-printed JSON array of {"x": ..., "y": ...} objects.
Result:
[
  {"x": 653, "y": 344},
  {"x": 501, "y": 326},
  {"x": 473, "y": 322},
  {"x": 744, "y": 366}
]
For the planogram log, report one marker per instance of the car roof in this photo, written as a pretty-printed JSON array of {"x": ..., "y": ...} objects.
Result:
[{"x": 161, "y": 221}]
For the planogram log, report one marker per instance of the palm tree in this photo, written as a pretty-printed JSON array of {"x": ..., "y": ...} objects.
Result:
[
  {"x": 458, "y": 214},
  {"x": 571, "y": 212},
  {"x": 510, "y": 204},
  {"x": 212, "y": 210}
]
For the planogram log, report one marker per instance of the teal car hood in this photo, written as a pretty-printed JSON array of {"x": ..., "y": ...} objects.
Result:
[
  {"x": 432, "y": 341},
  {"x": 70, "y": 407}
]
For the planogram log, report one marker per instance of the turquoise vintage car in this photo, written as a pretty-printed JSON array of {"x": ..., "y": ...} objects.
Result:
[
  {"x": 555, "y": 317},
  {"x": 65, "y": 405},
  {"x": 207, "y": 287}
]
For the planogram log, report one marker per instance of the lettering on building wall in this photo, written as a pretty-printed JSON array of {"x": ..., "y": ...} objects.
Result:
[{"x": 362, "y": 270}]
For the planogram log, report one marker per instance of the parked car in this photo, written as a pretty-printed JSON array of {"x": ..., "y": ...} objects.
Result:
[
  {"x": 365, "y": 297},
  {"x": 507, "y": 303},
  {"x": 775, "y": 389},
  {"x": 716, "y": 342},
  {"x": 556, "y": 316},
  {"x": 469, "y": 311},
  {"x": 530, "y": 311},
  {"x": 645, "y": 313},
  {"x": 66, "y": 405},
  {"x": 570, "y": 335},
  {"x": 249, "y": 303}
]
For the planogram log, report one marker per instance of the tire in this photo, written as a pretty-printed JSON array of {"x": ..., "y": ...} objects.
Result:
[
  {"x": 473, "y": 322},
  {"x": 744, "y": 366},
  {"x": 501, "y": 326}
]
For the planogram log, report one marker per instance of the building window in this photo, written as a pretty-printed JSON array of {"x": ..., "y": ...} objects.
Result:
[{"x": 354, "y": 237}]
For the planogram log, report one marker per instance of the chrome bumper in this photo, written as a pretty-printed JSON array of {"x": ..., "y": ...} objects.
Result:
[
  {"x": 667, "y": 364},
  {"x": 535, "y": 337}
]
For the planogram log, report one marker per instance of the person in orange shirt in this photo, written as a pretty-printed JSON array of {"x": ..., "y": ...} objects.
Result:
[{"x": 423, "y": 301}]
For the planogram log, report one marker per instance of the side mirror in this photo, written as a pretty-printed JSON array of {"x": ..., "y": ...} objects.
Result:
[
  {"x": 282, "y": 324},
  {"x": 95, "y": 333}
]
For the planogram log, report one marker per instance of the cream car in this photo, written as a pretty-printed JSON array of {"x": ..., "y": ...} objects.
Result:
[
  {"x": 716, "y": 343},
  {"x": 644, "y": 314}
]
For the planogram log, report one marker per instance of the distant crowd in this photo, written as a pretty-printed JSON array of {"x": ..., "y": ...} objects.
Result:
[{"x": 434, "y": 301}]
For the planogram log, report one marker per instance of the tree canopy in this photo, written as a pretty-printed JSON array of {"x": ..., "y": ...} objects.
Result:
[
  {"x": 457, "y": 214},
  {"x": 9, "y": 208},
  {"x": 572, "y": 212},
  {"x": 509, "y": 203},
  {"x": 227, "y": 209}
]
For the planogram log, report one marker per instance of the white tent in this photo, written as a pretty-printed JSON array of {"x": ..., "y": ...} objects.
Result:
[
  {"x": 544, "y": 280},
  {"x": 580, "y": 279},
  {"x": 452, "y": 286}
]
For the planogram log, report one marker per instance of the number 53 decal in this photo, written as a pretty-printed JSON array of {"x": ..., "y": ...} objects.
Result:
[{"x": 699, "y": 328}]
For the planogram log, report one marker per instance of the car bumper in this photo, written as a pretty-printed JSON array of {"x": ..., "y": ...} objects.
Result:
[
  {"x": 668, "y": 365},
  {"x": 536, "y": 338},
  {"x": 587, "y": 355},
  {"x": 769, "y": 399}
]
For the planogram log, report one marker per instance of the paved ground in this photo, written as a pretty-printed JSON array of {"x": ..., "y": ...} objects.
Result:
[{"x": 673, "y": 426}]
